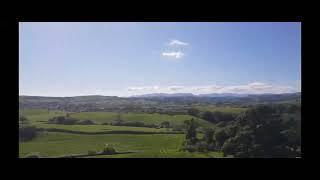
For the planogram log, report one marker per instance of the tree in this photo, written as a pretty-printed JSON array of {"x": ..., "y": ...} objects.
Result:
[
  {"x": 23, "y": 120},
  {"x": 220, "y": 136},
  {"x": 193, "y": 112},
  {"x": 262, "y": 132},
  {"x": 108, "y": 149},
  {"x": 118, "y": 121},
  {"x": 208, "y": 116},
  {"x": 208, "y": 135},
  {"x": 191, "y": 134},
  {"x": 27, "y": 133},
  {"x": 165, "y": 124}
]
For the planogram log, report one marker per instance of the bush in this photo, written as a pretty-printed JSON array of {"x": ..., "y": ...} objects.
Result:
[
  {"x": 211, "y": 147},
  {"x": 189, "y": 148},
  {"x": 86, "y": 122},
  {"x": 23, "y": 120},
  {"x": 69, "y": 121},
  {"x": 63, "y": 120},
  {"x": 165, "y": 124},
  {"x": 202, "y": 146},
  {"x": 108, "y": 149},
  {"x": 33, "y": 155},
  {"x": 27, "y": 133}
]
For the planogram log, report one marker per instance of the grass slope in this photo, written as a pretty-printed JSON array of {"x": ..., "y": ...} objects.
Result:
[{"x": 57, "y": 144}]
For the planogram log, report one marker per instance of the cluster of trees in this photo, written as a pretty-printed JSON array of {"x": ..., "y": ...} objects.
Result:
[
  {"x": 192, "y": 143},
  {"x": 164, "y": 124},
  {"x": 119, "y": 122},
  {"x": 108, "y": 149},
  {"x": 216, "y": 117},
  {"x": 263, "y": 131},
  {"x": 213, "y": 117},
  {"x": 26, "y": 131},
  {"x": 69, "y": 121},
  {"x": 211, "y": 141}
]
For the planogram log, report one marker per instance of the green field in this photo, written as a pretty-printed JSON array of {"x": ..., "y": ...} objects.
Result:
[
  {"x": 56, "y": 144},
  {"x": 107, "y": 117},
  {"x": 53, "y": 144},
  {"x": 39, "y": 116},
  {"x": 100, "y": 128}
]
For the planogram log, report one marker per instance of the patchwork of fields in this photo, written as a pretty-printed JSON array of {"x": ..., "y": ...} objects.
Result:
[{"x": 54, "y": 144}]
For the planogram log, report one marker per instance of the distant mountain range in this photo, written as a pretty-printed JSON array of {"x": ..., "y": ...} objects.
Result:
[
  {"x": 147, "y": 101},
  {"x": 166, "y": 95},
  {"x": 204, "y": 95}
]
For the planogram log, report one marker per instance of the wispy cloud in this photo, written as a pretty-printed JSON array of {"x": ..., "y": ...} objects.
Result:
[
  {"x": 250, "y": 88},
  {"x": 175, "y": 42},
  {"x": 173, "y": 54},
  {"x": 175, "y": 88},
  {"x": 143, "y": 88}
]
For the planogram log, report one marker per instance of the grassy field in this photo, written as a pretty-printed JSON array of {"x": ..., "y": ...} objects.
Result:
[
  {"x": 40, "y": 117},
  {"x": 57, "y": 144},
  {"x": 100, "y": 128},
  {"x": 107, "y": 117},
  {"x": 52, "y": 144}
]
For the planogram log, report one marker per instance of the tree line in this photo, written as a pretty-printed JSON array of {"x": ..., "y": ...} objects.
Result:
[{"x": 262, "y": 131}]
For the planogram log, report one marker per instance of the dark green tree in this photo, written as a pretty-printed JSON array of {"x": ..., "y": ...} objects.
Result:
[
  {"x": 220, "y": 136},
  {"x": 191, "y": 133},
  {"x": 262, "y": 132},
  {"x": 23, "y": 120},
  {"x": 208, "y": 116},
  {"x": 208, "y": 135},
  {"x": 193, "y": 112},
  {"x": 165, "y": 124}
]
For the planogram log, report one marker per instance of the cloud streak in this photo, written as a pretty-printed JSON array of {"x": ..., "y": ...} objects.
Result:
[
  {"x": 173, "y": 54},
  {"x": 250, "y": 88},
  {"x": 175, "y": 42}
]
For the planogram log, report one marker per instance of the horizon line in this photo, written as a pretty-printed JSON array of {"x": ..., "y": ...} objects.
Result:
[{"x": 163, "y": 93}]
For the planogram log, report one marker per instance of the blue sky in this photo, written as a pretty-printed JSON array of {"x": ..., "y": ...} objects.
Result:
[{"x": 123, "y": 59}]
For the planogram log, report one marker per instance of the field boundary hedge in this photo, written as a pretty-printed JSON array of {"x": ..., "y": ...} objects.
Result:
[{"x": 103, "y": 132}]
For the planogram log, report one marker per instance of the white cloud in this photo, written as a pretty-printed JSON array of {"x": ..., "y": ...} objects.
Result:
[
  {"x": 250, "y": 88},
  {"x": 178, "y": 43},
  {"x": 143, "y": 88},
  {"x": 173, "y": 54},
  {"x": 175, "y": 88}
]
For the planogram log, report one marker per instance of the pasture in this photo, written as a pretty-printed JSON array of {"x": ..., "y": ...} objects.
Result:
[{"x": 56, "y": 144}]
